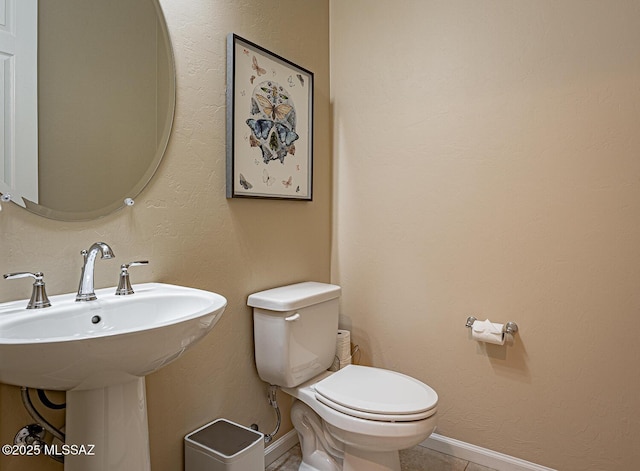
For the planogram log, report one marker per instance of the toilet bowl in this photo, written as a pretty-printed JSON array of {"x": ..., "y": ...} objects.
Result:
[
  {"x": 368, "y": 413},
  {"x": 354, "y": 419}
]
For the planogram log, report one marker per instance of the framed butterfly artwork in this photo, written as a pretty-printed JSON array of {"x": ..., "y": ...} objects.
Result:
[{"x": 269, "y": 124}]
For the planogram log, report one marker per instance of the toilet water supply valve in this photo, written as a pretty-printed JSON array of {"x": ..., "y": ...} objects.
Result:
[{"x": 273, "y": 402}]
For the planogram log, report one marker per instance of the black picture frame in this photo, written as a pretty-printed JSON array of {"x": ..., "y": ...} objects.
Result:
[{"x": 269, "y": 124}]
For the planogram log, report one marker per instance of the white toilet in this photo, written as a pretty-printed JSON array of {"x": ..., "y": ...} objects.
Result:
[{"x": 355, "y": 419}]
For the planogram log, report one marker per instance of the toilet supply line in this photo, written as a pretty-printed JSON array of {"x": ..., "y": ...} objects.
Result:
[{"x": 273, "y": 402}]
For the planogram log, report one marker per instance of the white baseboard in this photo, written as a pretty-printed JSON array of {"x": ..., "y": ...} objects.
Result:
[
  {"x": 478, "y": 455},
  {"x": 278, "y": 448}
]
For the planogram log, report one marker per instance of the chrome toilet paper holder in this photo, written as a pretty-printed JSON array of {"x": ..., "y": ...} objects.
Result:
[{"x": 509, "y": 328}]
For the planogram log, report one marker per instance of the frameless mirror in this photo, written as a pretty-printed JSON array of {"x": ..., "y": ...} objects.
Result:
[{"x": 91, "y": 129}]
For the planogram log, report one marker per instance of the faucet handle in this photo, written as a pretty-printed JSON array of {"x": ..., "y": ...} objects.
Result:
[
  {"x": 124, "y": 284},
  {"x": 39, "y": 297}
]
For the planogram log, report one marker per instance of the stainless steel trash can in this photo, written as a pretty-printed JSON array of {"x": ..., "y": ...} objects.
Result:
[{"x": 224, "y": 446}]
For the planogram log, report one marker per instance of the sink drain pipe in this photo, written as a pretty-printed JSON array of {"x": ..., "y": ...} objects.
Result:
[
  {"x": 42, "y": 395},
  {"x": 26, "y": 400}
]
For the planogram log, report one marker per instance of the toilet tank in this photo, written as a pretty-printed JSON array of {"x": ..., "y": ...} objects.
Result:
[{"x": 294, "y": 329}]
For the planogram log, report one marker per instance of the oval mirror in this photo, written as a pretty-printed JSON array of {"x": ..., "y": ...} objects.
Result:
[{"x": 100, "y": 111}]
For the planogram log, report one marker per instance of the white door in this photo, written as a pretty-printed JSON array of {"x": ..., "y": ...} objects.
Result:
[{"x": 19, "y": 99}]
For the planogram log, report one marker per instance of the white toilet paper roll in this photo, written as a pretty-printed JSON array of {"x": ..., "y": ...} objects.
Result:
[
  {"x": 487, "y": 331},
  {"x": 343, "y": 350}
]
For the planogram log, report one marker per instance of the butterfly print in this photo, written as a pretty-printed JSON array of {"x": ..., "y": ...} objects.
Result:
[
  {"x": 260, "y": 127},
  {"x": 244, "y": 183},
  {"x": 266, "y": 178},
  {"x": 278, "y": 112},
  {"x": 259, "y": 70},
  {"x": 286, "y": 135}
]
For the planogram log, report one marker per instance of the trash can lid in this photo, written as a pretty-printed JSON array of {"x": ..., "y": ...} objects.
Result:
[{"x": 225, "y": 437}]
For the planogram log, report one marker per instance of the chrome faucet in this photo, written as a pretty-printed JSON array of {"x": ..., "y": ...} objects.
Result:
[{"x": 86, "y": 289}]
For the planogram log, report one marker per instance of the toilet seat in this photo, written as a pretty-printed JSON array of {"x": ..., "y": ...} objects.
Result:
[{"x": 377, "y": 394}]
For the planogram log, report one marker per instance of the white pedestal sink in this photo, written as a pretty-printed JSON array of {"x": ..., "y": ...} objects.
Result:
[{"x": 99, "y": 352}]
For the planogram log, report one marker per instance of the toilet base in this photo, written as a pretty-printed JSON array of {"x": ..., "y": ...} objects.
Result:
[
  {"x": 361, "y": 460},
  {"x": 321, "y": 452}
]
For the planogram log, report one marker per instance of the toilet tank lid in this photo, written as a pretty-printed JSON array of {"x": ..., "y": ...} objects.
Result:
[{"x": 296, "y": 296}]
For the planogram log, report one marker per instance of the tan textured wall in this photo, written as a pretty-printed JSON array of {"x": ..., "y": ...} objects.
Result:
[
  {"x": 486, "y": 160},
  {"x": 191, "y": 233}
]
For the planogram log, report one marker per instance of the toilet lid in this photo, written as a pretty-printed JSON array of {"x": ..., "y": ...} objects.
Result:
[{"x": 377, "y": 394}]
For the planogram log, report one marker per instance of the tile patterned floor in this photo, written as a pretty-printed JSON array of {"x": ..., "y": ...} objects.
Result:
[{"x": 415, "y": 459}]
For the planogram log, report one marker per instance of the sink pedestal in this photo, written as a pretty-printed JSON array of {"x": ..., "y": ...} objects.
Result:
[{"x": 114, "y": 419}]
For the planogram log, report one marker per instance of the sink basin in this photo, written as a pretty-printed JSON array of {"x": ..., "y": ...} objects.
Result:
[
  {"x": 99, "y": 352},
  {"x": 88, "y": 345}
]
